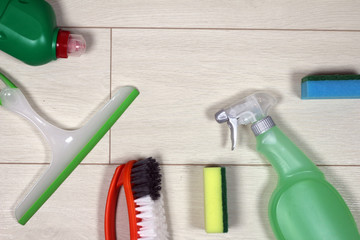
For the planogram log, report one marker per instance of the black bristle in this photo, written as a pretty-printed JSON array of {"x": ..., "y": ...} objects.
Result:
[{"x": 146, "y": 178}]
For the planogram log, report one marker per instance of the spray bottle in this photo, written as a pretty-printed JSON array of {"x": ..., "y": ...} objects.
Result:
[
  {"x": 304, "y": 204},
  {"x": 29, "y": 33}
]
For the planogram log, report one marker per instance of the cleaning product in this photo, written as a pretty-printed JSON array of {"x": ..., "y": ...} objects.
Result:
[
  {"x": 29, "y": 33},
  {"x": 141, "y": 181},
  {"x": 69, "y": 148},
  {"x": 330, "y": 87},
  {"x": 216, "y": 215},
  {"x": 304, "y": 205}
]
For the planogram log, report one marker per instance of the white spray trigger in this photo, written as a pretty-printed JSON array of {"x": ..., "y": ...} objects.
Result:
[{"x": 247, "y": 111}]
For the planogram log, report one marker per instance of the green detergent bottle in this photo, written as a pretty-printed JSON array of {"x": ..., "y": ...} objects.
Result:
[
  {"x": 29, "y": 33},
  {"x": 304, "y": 205}
]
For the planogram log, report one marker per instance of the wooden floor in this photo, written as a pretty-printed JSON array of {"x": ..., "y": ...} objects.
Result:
[{"x": 188, "y": 59}]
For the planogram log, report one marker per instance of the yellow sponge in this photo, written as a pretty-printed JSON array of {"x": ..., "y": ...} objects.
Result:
[{"x": 216, "y": 216}]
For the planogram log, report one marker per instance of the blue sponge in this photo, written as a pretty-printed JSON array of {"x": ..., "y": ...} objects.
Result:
[{"x": 330, "y": 87}]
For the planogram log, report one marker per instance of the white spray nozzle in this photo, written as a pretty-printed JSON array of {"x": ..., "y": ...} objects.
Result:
[{"x": 247, "y": 111}]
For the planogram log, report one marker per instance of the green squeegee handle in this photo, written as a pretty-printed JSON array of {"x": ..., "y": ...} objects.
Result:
[
  {"x": 68, "y": 148},
  {"x": 304, "y": 205},
  {"x": 79, "y": 157}
]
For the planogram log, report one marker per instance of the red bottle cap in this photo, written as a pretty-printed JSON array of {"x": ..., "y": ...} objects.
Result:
[
  {"x": 69, "y": 45},
  {"x": 62, "y": 44}
]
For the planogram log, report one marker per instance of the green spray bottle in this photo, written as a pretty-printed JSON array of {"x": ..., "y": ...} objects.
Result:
[
  {"x": 304, "y": 206},
  {"x": 29, "y": 33}
]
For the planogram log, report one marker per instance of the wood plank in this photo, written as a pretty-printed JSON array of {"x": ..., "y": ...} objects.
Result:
[
  {"x": 186, "y": 76},
  {"x": 76, "y": 210},
  {"x": 66, "y": 92},
  {"x": 283, "y": 14}
]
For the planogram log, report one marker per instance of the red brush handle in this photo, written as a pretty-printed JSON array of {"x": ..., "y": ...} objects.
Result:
[
  {"x": 111, "y": 204},
  {"x": 122, "y": 177}
]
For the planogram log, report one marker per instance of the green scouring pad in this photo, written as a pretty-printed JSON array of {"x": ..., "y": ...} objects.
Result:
[{"x": 216, "y": 215}]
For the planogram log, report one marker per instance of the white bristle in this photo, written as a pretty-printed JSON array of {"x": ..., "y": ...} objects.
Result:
[{"x": 153, "y": 224}]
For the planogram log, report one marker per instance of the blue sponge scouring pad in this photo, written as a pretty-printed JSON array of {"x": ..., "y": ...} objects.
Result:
[{"x": 330, "y": 87}]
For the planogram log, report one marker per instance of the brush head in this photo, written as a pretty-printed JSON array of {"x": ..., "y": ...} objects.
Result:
[
  {"x": 153, "y": 225},
  {"x": 146, "y": 178},
  {"x": 146, "y": 181}
]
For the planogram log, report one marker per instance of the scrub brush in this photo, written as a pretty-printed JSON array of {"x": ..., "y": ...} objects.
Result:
[{"x": 142, "y": 184}]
